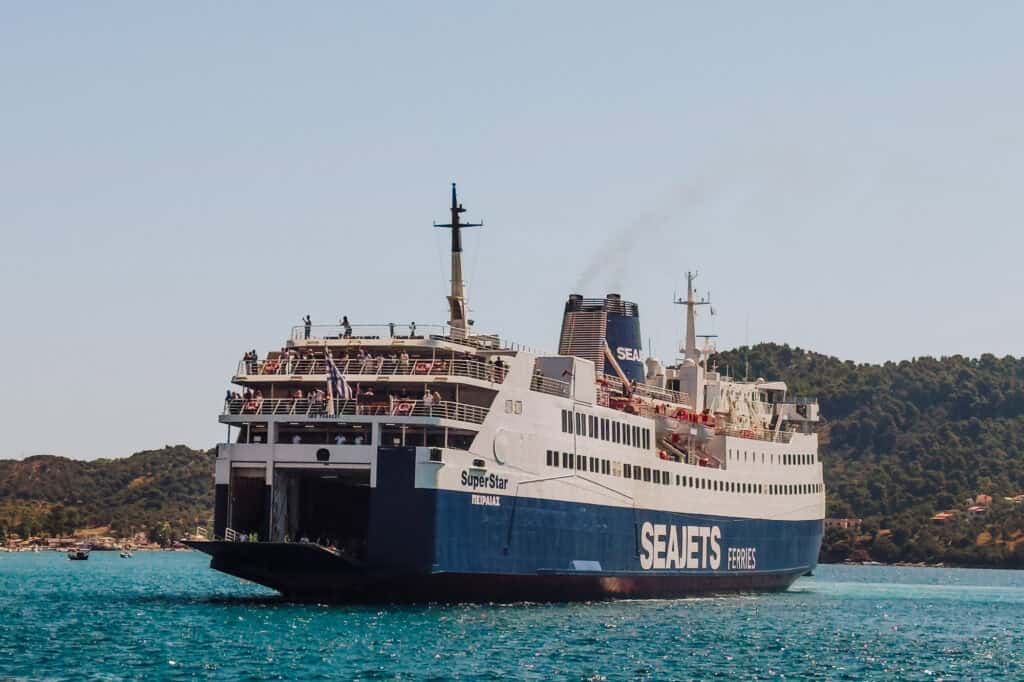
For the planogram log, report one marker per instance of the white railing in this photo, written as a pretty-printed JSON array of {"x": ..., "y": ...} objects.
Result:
[
  {"x": 614, "y": 385},
  {"x": 327, "y": 409},
  {"x": 377, "y": 366},
  {"x": 543, "y": 384},
  {"x": 301, "y": 332},
  {"x": 755, "y": 434},
  {"x": 437, "y": 332}
]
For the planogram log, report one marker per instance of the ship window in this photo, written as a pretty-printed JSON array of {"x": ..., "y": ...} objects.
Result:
[
  {"x": 549, "y": 458},
  {"x": 677, "y": 479},
  {"x": 508, "y": 407},
  {"x": 647, "y": 439},
  {"x": 593, "y": 465},
  {"x": 627, "y": 471},
  {"x": 625, "y": 435},
  {"x": 519, "y": 407},
  {"x": 615, "y": 432},
  {"x": 666, "y": 478},
  {"x": 581, "y": 462},
  {"x": 647, "y": 474},
  {"x": 636, "y": 436},
  {"x": 565, "y": 425},
  {"x": 657, "y": 476},
  {"x": 606, "y": 467},
  {"x": 566, "y": 460},
  {"x": 762, "y": 458},
  {"x": 636, "y": 473},
  {"x": 604, "y": 429},
  {"x": 579, "y": 424}
]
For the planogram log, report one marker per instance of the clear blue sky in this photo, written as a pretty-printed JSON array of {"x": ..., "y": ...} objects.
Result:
[{"x": 183, "y": 182}]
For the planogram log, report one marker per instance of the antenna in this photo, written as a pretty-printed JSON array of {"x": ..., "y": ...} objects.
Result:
[
  {"x": 457, "y": 299},
  {"x": 746, "y": 349}
]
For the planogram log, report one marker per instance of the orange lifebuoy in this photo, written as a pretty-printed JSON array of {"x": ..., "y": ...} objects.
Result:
[
  {"x": 403, "y": 408},
  {"x": 422, "y": 367},
  {"x": 252, "y": 406}
]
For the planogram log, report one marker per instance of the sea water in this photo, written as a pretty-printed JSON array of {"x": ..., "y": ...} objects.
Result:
[{"x": 168, "y": 616}]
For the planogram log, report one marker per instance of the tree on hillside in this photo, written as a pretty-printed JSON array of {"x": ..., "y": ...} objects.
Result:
[{"x": 161, "y": 534}]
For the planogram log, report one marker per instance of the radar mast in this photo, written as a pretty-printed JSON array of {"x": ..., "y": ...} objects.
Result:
[{"x": 458, "y": 322}]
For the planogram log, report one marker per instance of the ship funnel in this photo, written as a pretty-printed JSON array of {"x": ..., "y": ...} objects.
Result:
[{"x": 589, "y": 323}]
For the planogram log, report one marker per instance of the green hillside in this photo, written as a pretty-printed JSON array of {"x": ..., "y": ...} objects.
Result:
[
  {"x": 901, "y": 441},
  {"x": 56, "y": 495}
]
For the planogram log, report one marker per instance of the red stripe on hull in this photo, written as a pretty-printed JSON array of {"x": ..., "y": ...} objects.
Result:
[{"x": 308, "y": 573}]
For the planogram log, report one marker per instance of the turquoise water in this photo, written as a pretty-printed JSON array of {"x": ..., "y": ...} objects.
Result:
[{"x": 168, "y": 616}]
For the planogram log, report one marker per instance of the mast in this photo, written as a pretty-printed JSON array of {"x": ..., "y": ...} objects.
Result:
[
  {"x": 689, "y": 348},
  {"x": 691, "y": 374},
  {"x": 457, "y": 299}
]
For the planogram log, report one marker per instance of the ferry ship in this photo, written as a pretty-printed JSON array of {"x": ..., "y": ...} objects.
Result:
[{"x": 410, "y": 463}]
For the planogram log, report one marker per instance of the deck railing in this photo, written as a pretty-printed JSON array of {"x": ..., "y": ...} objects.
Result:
[
  {"x": 367, "y": 331},
  {"x": 543, "y": 384},
  {"x": 328, "y": 409},
  {"x": 756, "y": 434},
  {"x": 289, "y": 366},
  {"x": 437, "y": 332},
  {"x": 614, "y": 384}
]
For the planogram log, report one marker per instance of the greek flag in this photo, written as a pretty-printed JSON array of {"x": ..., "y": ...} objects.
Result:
[{"x": 337, "y": 380}]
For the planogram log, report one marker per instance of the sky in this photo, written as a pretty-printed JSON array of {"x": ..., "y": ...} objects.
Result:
[{"x": 182, "y": 182}]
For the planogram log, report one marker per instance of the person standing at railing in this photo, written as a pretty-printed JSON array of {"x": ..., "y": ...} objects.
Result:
[
  {"x": 403, "y": 362},
  {"x": 412, "y": 329},
  {"x": 346, "y": 327},
  {"x": 308, "y": 325}
]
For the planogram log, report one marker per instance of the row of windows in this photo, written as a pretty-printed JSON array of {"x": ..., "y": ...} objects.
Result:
[
  {"x": 605, "y": 429},
  {"x": 770, "y": 458},
  {"x": 597, "y": 465}
]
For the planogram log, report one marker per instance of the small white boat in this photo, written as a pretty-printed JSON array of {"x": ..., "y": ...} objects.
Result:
[{"x": 125, "y": 554}]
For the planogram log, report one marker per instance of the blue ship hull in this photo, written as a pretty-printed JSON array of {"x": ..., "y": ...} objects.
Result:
[{"x": 440, "y": 545}]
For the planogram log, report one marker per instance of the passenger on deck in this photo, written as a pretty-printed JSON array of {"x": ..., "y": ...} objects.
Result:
[
  {"x": 308, "y": 324},
  {"x": 346, "y": 327},
  {"x": 403, "y": 362},
  {"x": 296, "y": 439},
  {"x": 340, "y": 439},
  {"x": 412, "y": 329}
]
